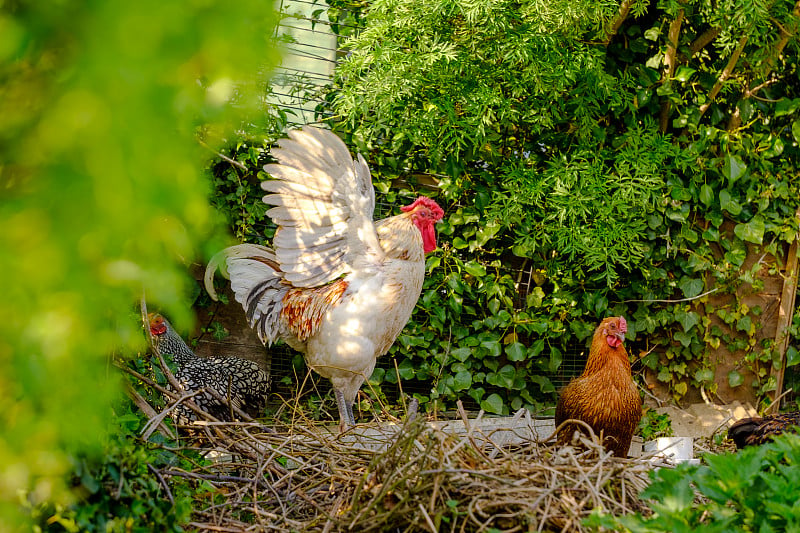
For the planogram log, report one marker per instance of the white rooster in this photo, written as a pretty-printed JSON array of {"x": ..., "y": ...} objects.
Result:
[{"x": 337, "y": 286}]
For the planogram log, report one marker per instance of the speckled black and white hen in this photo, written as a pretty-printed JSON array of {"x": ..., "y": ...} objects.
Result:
[{"x": 241, "y": 381}]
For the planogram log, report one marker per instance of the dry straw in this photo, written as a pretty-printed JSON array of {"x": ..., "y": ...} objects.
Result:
[
  {"x": 415, "y": 476},
  {"x": 411, "y": 476}
]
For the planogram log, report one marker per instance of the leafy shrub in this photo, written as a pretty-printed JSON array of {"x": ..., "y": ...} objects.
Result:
[
  {"x": 118, "y": 490},
  {"x": 755, "y": 489},
  {"x": 592, "y": 159},
  {"x": 600, "y": 150},
  {"x": 103, "y": 196}
]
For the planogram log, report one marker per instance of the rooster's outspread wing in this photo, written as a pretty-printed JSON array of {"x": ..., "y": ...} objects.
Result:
[
  {"x": 324, "y": 205},
  {"x": 323, "y": 202}
]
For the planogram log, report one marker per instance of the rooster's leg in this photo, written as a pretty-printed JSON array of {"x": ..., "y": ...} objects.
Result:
[{"x": 345, "y": 411}]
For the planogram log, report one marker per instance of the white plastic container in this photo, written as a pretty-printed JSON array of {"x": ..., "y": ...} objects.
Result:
[{"x": 672, "y": 449}]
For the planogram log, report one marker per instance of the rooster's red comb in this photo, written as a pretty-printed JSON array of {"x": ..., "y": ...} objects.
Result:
[{"x": 437, "y": 211}]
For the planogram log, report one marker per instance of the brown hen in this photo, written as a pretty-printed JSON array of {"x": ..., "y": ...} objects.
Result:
[{"x": 604, "y": 396}]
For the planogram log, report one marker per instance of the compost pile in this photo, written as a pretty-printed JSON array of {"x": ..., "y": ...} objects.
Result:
[{"x": 412, "y": 476}]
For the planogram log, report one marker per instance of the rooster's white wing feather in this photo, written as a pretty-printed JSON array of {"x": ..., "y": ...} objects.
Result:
[{"x": 324, "y": 205}]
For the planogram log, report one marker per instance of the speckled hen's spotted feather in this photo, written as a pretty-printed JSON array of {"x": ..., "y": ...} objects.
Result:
[{"x": 241, "y": 381}]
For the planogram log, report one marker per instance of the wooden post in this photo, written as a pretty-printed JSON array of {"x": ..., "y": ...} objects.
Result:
[{"x": 785, "y": 312}]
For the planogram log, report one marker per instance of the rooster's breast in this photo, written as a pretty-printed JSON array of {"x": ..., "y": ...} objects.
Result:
[{"x": 372, "y": 313}]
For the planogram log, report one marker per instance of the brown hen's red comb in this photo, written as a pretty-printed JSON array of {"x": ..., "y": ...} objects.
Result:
[{"x": 437, "y": 211}]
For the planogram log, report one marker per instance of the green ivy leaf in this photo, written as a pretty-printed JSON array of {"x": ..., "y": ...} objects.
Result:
[
  {"x": 711, "y": 234},
  {"x": 775, "y": 148},
  {"x": 493, "y": 404},
  {"x": 652, "y": 34},
  {"x": 459, "y": 243},
  {"x": 735, "y": 378},
  {"x": 744, "y": 324},
  {"x": 534, "y": 297},
  {"x": 752, "y": 231},
  {"x": 704, "y": 375},
  {"x": 688, "y": 319},
  {"x": 706, "y": 194},
  {"x": 796, "y": 130},
  {"x": 475, "y": 269},
  {"x": 736, "y": 257},
  {"x": 733, "y": 168},
  {"x": 378, "y": 376},
  {"x": 462, "y": 380},
  {"x": 462, "y": 354},
  {"x": 792, "y": 356},
  {"x": 504, "y": 377},
  {"x": 684, "y": 73},
  {"x": 516, "y": 351},
  {"x": 494, "y": 347},
  {"x": 555, "y": 360},
  {"x": 545, "y": 385},
  {"x": 406, "y": 369},
  {"x": 727, "y": 203},
  {"x": 786, "y": 106},
  {"x": 691, "y": 287},
  {"x": 684, "y": 338}
]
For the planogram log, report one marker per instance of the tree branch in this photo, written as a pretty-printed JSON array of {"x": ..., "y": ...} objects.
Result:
[
  {"x": 701, "y": 42},
  {"x": 224, "y": 157},
  {"x": 784, "y": 36},
  {"x": 624, "y": 9},
  {"x": 670, "y": 60},
  {"x": 725, "y": 74}
]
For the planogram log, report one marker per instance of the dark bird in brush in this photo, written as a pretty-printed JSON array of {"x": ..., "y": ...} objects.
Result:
[{"x": 759, "y": 430}]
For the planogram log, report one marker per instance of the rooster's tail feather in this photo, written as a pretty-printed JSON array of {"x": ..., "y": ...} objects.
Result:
[{"x": 257, "y": 283}]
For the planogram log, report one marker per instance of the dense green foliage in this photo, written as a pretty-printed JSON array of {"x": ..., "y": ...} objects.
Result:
[
  {"x": 592, "y": 159},
  {"x": 102, "y": 197},
  {"x": 619, "y": 153},
  {"x": 120, "y": 490},
  {"x": 752, "y": 490}
]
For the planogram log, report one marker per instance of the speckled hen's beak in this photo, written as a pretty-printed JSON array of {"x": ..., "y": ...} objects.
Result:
[{"x": 621, "y": 336}]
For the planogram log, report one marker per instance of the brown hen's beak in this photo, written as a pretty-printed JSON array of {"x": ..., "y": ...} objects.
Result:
[{"x": 621, "y": 336}]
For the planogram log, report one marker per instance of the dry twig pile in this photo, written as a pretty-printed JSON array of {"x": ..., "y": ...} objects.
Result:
[{"x": 400, "y": 478}]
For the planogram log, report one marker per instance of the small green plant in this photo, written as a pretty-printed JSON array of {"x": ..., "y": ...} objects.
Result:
[
  {"x": 654, "y": 425},
  {"x": 755, "y": 489}
]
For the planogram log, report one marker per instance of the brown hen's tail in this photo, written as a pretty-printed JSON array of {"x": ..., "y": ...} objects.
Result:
[{"x": 743, "y": 430}]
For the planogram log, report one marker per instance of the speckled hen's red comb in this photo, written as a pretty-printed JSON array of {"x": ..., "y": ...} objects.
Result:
[{"x": 437, "y": 211}]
